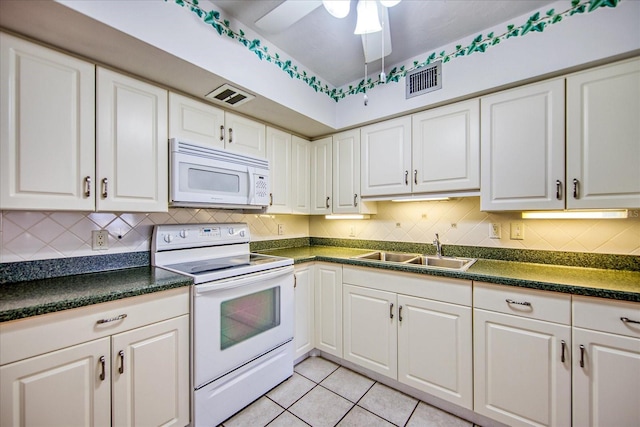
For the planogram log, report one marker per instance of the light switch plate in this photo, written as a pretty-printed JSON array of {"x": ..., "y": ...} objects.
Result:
[{"x": 517, "y": 231}]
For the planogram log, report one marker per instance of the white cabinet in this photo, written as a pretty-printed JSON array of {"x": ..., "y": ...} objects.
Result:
[
  {"x": 119, "y": 363},
  {"x": 280, "y": 179},
  {"x": 303, "y": 338},
  {"x": 522, "y": 355},
  {"x": 244, "y": 135},
  {"x": 328, "y": 308},
  {"x": 346, "y": 175},
  {"x": 412, "y": 328},
  {"x": 522, "y": 148},
  {"x": 321, "y": 176},
  {"x": 300, "y": 175},
  {"x": 47, "y": 128},
  {"x": 603, "y": 137},
  {"x": 132, "y": 154},
  {"x": 194, "y": 121},
  {"x": 386, "y": 157},
  {"x": 606, "y": 362},
  {"x": 446, "y": 148}
]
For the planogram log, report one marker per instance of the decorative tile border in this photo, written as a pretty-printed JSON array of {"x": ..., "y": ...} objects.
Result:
[{"x": 537, "y": 22}]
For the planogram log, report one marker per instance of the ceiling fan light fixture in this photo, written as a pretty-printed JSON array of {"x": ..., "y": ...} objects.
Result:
[
  {"x": 389, "y": 3},
  {"x": 368, "y": 20},
  {"x": 337, "y": 8}
]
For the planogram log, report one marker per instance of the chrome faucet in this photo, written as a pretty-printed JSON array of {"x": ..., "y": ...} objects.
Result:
[{"x": 438, "y": 246}]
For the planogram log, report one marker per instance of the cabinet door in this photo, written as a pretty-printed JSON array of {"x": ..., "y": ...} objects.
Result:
[
  {"x": 279, "y": 155},
  {"x": 47, "y": 128},
  {"x": 522, "y": 371},
  {"x": 606, "y": 388},
  {"x": 194, "y": 121},
  {"x": 370, "y": 329},
  {"x": 321, "y": 176},
  {"x": 151, "y": 375},
  {"x": 68, "y": 387},
  {"x": 522, "y": 148},
  {"x": 304, "y": 331},
  {"x": 328, "y": 308},
  {"x": 603, "y": 137},
  {"x": 245, "y": 135},
  {"x": 435, "y": 349},
  {"x": 386, "y": 158},
  {"x": 446, "y": 148},
  {"x": 300, "y": 173},
  {"x": 132, "y": 148},
  {"x": 346, "y": 172}
]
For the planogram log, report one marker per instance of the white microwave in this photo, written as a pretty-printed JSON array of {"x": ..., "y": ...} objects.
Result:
[{"x": 205, "y": 177}]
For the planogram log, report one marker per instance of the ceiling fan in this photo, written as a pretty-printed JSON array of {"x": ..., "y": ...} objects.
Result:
[{"x": 376, "y": 44}]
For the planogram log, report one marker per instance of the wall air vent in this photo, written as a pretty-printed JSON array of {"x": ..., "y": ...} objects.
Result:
[
  {"x": 229, "y": 95},
  {"x": 423, "y": 80}
]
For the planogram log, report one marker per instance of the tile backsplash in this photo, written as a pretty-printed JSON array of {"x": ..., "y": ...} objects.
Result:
[{"x": 26, "y": 236}]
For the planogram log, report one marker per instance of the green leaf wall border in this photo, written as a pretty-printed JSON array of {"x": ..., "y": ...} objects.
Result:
[{"x": 537, "y": 22}]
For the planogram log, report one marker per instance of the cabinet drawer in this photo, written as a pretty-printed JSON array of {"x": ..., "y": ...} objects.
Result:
[
  {"x": 41, "y": 334},
  {"x": 606, "y": 315},
  {"x": 531, "y": 303}
]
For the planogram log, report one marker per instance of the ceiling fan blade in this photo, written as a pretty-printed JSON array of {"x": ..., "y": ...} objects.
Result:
[
  {"x": 286, "y": 14},
  {"x": 373, "y": 46}
]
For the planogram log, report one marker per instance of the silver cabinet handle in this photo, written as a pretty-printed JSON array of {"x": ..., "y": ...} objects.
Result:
[
  {"x": 627, "y": 320},
  {"x": 400, "y": 314},
  {"x": 295, "y": 281},
  {"x": 327, "y": 202},
  {"x": 103, "y": 363},
  {"x": 391, "y": 311},
  {"x": 121, "y": 368},
  {"x": 230, "y": 135},
  {"x": 221, "y": 133},
  {"x": 406, "y": 177},
  {"x": 581, "y": 356},
  {"x": 576, "y": 188},
  {"x": 355, "y": 200},
  {"x": 105, "y": 181},
  {"x": 270, "y": 199},
  {"x": 563, "y": 347},
  {"x": 526, "y": 303},
  {"x": 415, "y": 176},
  {"x": 558, "y": 190},
  {"x": 87, "y": 186},
  {"x": 113, "y": 319}
]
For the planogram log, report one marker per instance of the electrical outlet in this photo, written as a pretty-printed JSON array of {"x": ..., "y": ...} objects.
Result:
[
  {"x": 100, "y": 240},
  {"x": 280, "y": 229},
  {"x": 352, "y": 231},
  {"x": 517, "y": 231},
  {"x": 495, "y": 231}
]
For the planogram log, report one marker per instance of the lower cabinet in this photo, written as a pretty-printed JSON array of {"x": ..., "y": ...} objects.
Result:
[
  {"x": 129, "y": 365},
  {"x": 522, "y": 342},
  {"x": 412, "y": 328},
  {"x": 328, "y": 308},
  {"x": 303, "y": 339}
]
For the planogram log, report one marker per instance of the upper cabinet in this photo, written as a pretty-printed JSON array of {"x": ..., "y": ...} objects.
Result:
[
  {"x": 195, "y": 121},
  {"x": 603, "y": 137},
  {"x": 523, "y": 148},
  {"x": 47, "y": 128},
  {"x": 132, "y": 154},
  {"x": 279, "y": 155},
  {"x": 300, "y": 175},
  {"x": 245, "y": 135},
  {"x": 321, "y": 176}
]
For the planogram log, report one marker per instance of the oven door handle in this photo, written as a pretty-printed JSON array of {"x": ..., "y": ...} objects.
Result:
[{"x": 231, "y": 283}]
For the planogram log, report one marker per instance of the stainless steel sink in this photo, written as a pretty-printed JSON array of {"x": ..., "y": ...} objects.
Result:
[{"x": 450, "y": 263}]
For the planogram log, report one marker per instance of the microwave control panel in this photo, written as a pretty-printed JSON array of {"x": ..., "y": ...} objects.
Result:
[{"x": 261, "y": 189}]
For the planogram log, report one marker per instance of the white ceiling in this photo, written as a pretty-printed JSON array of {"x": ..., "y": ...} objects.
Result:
[{"x": 327, "y": 46}]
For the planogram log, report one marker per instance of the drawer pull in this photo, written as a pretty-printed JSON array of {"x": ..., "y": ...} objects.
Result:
[
  {"x": 113, "y": 319},
  {"x": 581, "y": 356},
  {"x": 391, "y": 311},
  {"x": 103, "y": 365},
  {"x": 87, "y": 186},
  {"x": 121, "y": 368},
  {"x": 627, "y": 320},
  {"x": 526, "y": 303},
  {"x": 563, "y": 349}
]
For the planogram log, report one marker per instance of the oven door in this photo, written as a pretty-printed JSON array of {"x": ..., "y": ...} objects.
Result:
[{"x": 236, "y": 320}]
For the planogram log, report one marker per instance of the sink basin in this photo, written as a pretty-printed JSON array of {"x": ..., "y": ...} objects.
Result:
[
  {"x": 388, "y": 256},
  {"x": 444, "y": 262},
  {"x": 451, "y": 263}
]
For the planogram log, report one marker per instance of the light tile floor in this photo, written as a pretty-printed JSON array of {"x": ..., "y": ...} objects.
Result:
[{"x": 323, "y": 394}]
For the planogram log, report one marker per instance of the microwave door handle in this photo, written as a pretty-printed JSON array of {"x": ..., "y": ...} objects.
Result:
[{"x": 244, "y": 280}]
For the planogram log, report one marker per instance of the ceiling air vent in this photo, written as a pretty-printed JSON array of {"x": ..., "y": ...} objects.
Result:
[
  {"x": 229, "y": 95},
  {"x": 424, "y": 79}
]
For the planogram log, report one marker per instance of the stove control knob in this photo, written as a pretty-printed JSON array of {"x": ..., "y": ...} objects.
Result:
[
  {"x": 231, "y": 230},
  {"x": 242, "y": 233},
  {"x": 168, "y": 238},
  {"x": 184, "y": 233}
]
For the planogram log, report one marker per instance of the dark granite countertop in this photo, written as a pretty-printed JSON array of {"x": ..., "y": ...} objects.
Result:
[
  {"x": 613, "y": 284},
  {"x": 31, "y": 298}
]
